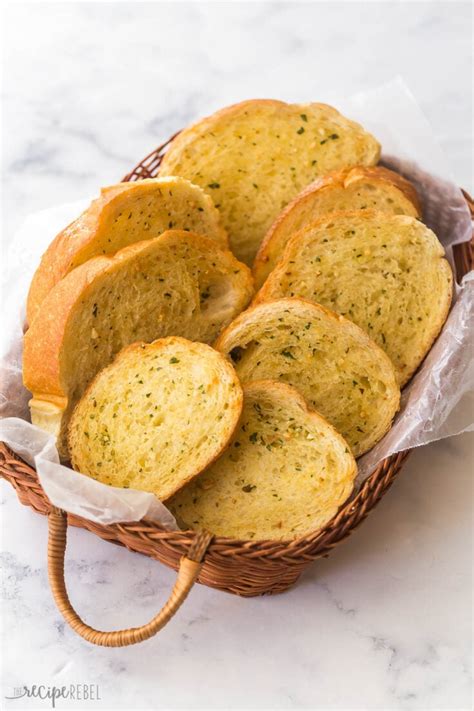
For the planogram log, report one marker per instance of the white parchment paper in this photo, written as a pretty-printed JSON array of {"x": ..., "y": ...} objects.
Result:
[
  {"x": 439, "y": 401},
  {"x": 75, "y": 492}
]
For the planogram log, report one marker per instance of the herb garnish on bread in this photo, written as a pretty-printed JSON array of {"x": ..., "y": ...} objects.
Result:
[
  {"x": 339, "y": 370},
  {"x": 124, "y": 214},
  {"x": 176, "y": 284},
  {"x": 156, "y": 417},
  {"x": 284, "y": 474},
  {"x": 359, "y": 188},
  {"x": 387, "y": 273},
  {"x": 256, "y": 156}
]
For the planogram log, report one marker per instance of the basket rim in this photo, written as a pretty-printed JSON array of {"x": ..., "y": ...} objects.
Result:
[
  {"x": 464, "y": 262},
  {"x": 340, "y": 526},
  {"x": 273, "y": 547}
]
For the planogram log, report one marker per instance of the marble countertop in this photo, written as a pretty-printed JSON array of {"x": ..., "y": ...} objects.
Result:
[{"x": 385, "y": 621}]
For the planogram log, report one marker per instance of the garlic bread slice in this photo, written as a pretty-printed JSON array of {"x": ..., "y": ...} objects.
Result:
[
  {"x": 156, "y": 416},
  {"x": 178, "y": 284},
  {"x": 359, "y": 188},
  {"x": 334, "y": 364},
  {"x": 386, "y": 273},
  {"x": 124, "y": 214},
  {"x": 284, "y": 475},
  {"x": 252, "y": 158}
]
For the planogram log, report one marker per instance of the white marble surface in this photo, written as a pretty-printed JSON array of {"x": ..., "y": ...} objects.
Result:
[{"x": 385, "y": 622}]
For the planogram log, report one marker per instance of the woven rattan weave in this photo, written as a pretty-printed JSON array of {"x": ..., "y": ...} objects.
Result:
[{"x": 242, "y": 567}]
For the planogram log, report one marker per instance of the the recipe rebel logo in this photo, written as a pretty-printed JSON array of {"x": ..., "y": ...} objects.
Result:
[{"x": 71, "y": 692}]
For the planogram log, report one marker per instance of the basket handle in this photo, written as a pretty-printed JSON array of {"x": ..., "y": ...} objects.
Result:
[{"x": 189, "y": 569}]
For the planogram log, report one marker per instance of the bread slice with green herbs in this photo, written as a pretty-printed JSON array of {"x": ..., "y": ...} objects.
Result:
[
  {"x": 176, "y": 284},
  {"x": 359, "y": 188},
  {"x": 256, "y": 156},
  {"x": 285, "y": 473},
  {"x": 334, "y": 364},
  {"x": 124, "y": 214},
  {"x": 156, "y": 417},
  {"x": 387, "y": 273}
]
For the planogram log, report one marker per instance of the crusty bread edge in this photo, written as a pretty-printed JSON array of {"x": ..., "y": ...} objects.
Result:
[
  {"x": 165, "y": 342},
  {"x": 54, "y": 264},
  {"x": 437, "y": 327},
  {"x": 42, "y": 341},
  {"x": 291, "y": 392},
  {"x": 262, "y": 294},
  {"x": 222, "y": 342},
  {"x": 198, "y": 127},
  {"x": 362, "y": 215},
  {"x": 336, "y": 178},
  {"x": 290, "y": 301}
]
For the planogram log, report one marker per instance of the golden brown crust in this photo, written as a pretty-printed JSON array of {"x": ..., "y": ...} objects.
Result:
[
  {"x": 385, "y": 175},
  {"x": 259, "y": 314},
  {"x": 162, "y": 344},
  {"x": 441, "y": 321},
  {"x": 291, "y": 393},
  {"x": 336, "y": 179},
  {"x": 278, "y": 396},
  {"x": 266, "y": 293},
  {"x": 203, "y": 124},
  {"x": 241, "y": 155},
  {"x": 63, "y": 252},
  {"x": 219, "y": 343},
  {"x": 55, "y": 261},
  {"x": 42, "y": 341}
]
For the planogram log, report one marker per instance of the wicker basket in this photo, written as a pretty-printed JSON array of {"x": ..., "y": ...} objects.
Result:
[{"x": 242, "y": 567}]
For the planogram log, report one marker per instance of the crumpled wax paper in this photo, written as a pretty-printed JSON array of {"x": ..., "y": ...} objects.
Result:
[
  {"x": 439, "y": 401},
  {"x": 74, "y": 492}
]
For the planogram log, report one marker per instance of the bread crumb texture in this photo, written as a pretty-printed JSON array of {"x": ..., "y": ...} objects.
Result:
[
  {"x": 284, "y": 475},
  {"x": 256, "y": 156},
  {"x": 176, "y": 284},
  {"x": 124, "y": 214},
  {"x": 358, "y": 188},
  {"x": 340, "y": 371},
  {"x": 155, "y": 417},
  {"x": 385, "y": 273}
]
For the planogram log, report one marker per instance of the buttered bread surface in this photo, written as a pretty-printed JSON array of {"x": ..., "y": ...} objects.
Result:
[
  {"x": 386, "y": 273},
  {"x": 124, "y": 214},
  {"x": 284, "y": 474},
  {"x": 339, "y": 370},
  {"x": 176, "y": 284},
  {"x": 254, "y": 157},
  {"x": 156, "y": 417}
]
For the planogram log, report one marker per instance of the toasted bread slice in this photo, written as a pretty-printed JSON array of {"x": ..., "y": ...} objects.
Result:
[
  {"x": 340, "y": 371},
  {"x": 358, "y": 188},
  {"x": 284, "y": 475},
  {"x": 176, "y": 284},
  {"x": 124, "y": 214},
  {"x": 387, "y": 273},
  {"x": 254, "y": 157},
  {"x": 156, "y": 416}
]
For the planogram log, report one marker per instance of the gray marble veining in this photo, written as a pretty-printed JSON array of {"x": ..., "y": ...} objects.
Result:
[{"x": 384, "y": 623}]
